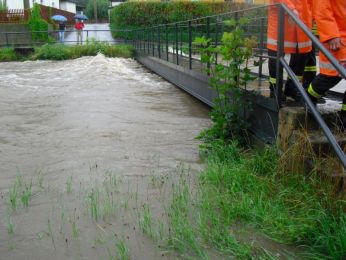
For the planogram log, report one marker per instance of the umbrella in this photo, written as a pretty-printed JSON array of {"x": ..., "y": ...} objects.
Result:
[
  {"x": 59, "y": 18},
  {"x": 80, "y": 17}
]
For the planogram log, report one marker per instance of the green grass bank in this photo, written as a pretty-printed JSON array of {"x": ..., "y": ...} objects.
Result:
[
  {"x": 245, "y": 206},
  {"x": 64, "y": 52}
]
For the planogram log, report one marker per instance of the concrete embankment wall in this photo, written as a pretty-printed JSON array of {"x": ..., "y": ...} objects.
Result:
[
  {"x": 19, "y": 34},
  {"x": 22, "y": 35}
]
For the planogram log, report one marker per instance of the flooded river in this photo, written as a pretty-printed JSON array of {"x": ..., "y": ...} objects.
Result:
[{"x": 66, "y": 127}]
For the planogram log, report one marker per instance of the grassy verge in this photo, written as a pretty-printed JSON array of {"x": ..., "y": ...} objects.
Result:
[
  {"x": 247, "y": 187},
  {"x": 65, "y": 52},
  {"x": 245, "y": 207}
]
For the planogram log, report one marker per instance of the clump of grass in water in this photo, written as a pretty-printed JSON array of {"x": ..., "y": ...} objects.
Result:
[
  {"x": 40, "y": 178},
  {"x": 181, "y": 235},
  {"x": 123, "y": 251},
  {"x": 94, "y": 204},
  {"x": 50, "y": 232},
  {"x": 13, "y": 196},
  {"x": 69, "y": 185},
  {"x": 9, "y": 223},
  {"x": 146, "y": 222},
  {"x": 14, "y": 192},
  {"x": 26, "y": 194}
]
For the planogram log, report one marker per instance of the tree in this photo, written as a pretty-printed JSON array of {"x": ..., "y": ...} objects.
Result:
[
  {"x": 3, "y": 5},
  {"x": 26, "y": 4},
  {"x": 101, "y": 9}
]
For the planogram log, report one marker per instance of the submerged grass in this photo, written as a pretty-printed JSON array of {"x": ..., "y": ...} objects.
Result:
[
  {"x": 123, "y": 251},
  {"x": 146, "y": 222}
]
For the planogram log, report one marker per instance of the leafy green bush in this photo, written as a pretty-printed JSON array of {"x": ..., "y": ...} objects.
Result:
[
  {"x": 131, "y": 15},
  {"x": 38, "y": 26},
  {"x": 93, "y": 48},
  {"x": 52, "y": 52},
  {"x": 8, "y": 54},
  {"x": 123, "y": 51},
  {"x": 228, "y": 80}
]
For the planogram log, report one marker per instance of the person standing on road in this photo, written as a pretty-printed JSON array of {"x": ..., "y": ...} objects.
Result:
[
  {"x": 79, "y": 27},
  {"x": 330, "y": 16},
  {"x": 296, "y": 42},
  {"x": 62, "y": 26}
]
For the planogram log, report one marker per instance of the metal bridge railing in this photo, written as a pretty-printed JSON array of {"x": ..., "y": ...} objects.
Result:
[{"x": 173, "y": 43}]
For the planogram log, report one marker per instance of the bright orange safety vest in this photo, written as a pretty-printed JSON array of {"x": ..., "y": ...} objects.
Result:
[
  {"x": 330, "y": 16},
  {"x": 295, "y": 39}
]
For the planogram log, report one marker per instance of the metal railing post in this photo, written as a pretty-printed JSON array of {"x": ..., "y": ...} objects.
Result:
[
  {"x": 166, "y": 28},
  {"x": 190, "y": 46},
  {"x": 152, "y": 43},
  {"x": 159, "y": 41},
  {"x": 181, "y": 42},
  {"x": 176, "y": 43},
  {"x": 148, "y": 37},
  {"x": 144, "y": 41},
  {"x": 261, "y": 51},
  {"x": 208, "y": 37},
  {"x": 280, "y": 53},
  {"x": 216, "y": 36},
  {"x": 7, "y": 42}
]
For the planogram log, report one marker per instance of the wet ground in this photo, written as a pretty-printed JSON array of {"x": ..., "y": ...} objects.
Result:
[{"x": 77, "y": 130}]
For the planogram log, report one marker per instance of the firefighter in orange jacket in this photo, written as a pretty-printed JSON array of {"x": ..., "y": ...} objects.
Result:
[
  {"x": 295, "y": 41},
  {"x": 330, "y": 16}
]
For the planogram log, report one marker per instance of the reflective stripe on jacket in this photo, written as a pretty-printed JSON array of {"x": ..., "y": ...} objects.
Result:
[
  {"x": 330, "y": 16},
  {"x": 295, "y": 40}
]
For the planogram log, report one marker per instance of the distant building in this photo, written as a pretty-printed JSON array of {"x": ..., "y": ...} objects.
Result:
[
  {"x": 72, "y": 6},
  {"x": 18, "y": 4},
  {"x": 113, "y": 3}
]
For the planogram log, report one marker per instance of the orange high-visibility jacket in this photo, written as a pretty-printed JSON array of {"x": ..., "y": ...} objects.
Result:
[
  {"x": 330, "y": 16},
  {"x": 295, "y": 39}
]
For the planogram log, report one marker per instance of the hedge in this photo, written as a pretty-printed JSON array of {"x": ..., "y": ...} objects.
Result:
[{"x": 133, "y": 15}]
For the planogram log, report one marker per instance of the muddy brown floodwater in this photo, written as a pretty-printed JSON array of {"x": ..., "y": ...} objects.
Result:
[{"x": 84, "y": 145}]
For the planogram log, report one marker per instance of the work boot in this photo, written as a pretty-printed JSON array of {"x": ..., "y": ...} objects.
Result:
[
  {"x": 292, "y": 93},
  {"x": 321, "y": 101}
]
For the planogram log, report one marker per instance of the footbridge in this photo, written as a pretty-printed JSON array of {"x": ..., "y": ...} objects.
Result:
[{"x": 168, "y": 50}]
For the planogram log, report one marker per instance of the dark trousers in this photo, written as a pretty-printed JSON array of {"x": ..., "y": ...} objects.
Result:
[
  {"x": 310, "y": 69},
  {"x": 297, "y": 64},
  {"x": 321, "y": 84}
]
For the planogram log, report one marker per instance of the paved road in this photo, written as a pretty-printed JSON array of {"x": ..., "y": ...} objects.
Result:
[{"x": 91, "y": 31}]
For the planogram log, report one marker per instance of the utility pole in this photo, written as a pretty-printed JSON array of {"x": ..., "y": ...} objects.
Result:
[{"x": 95, "y": 10}]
